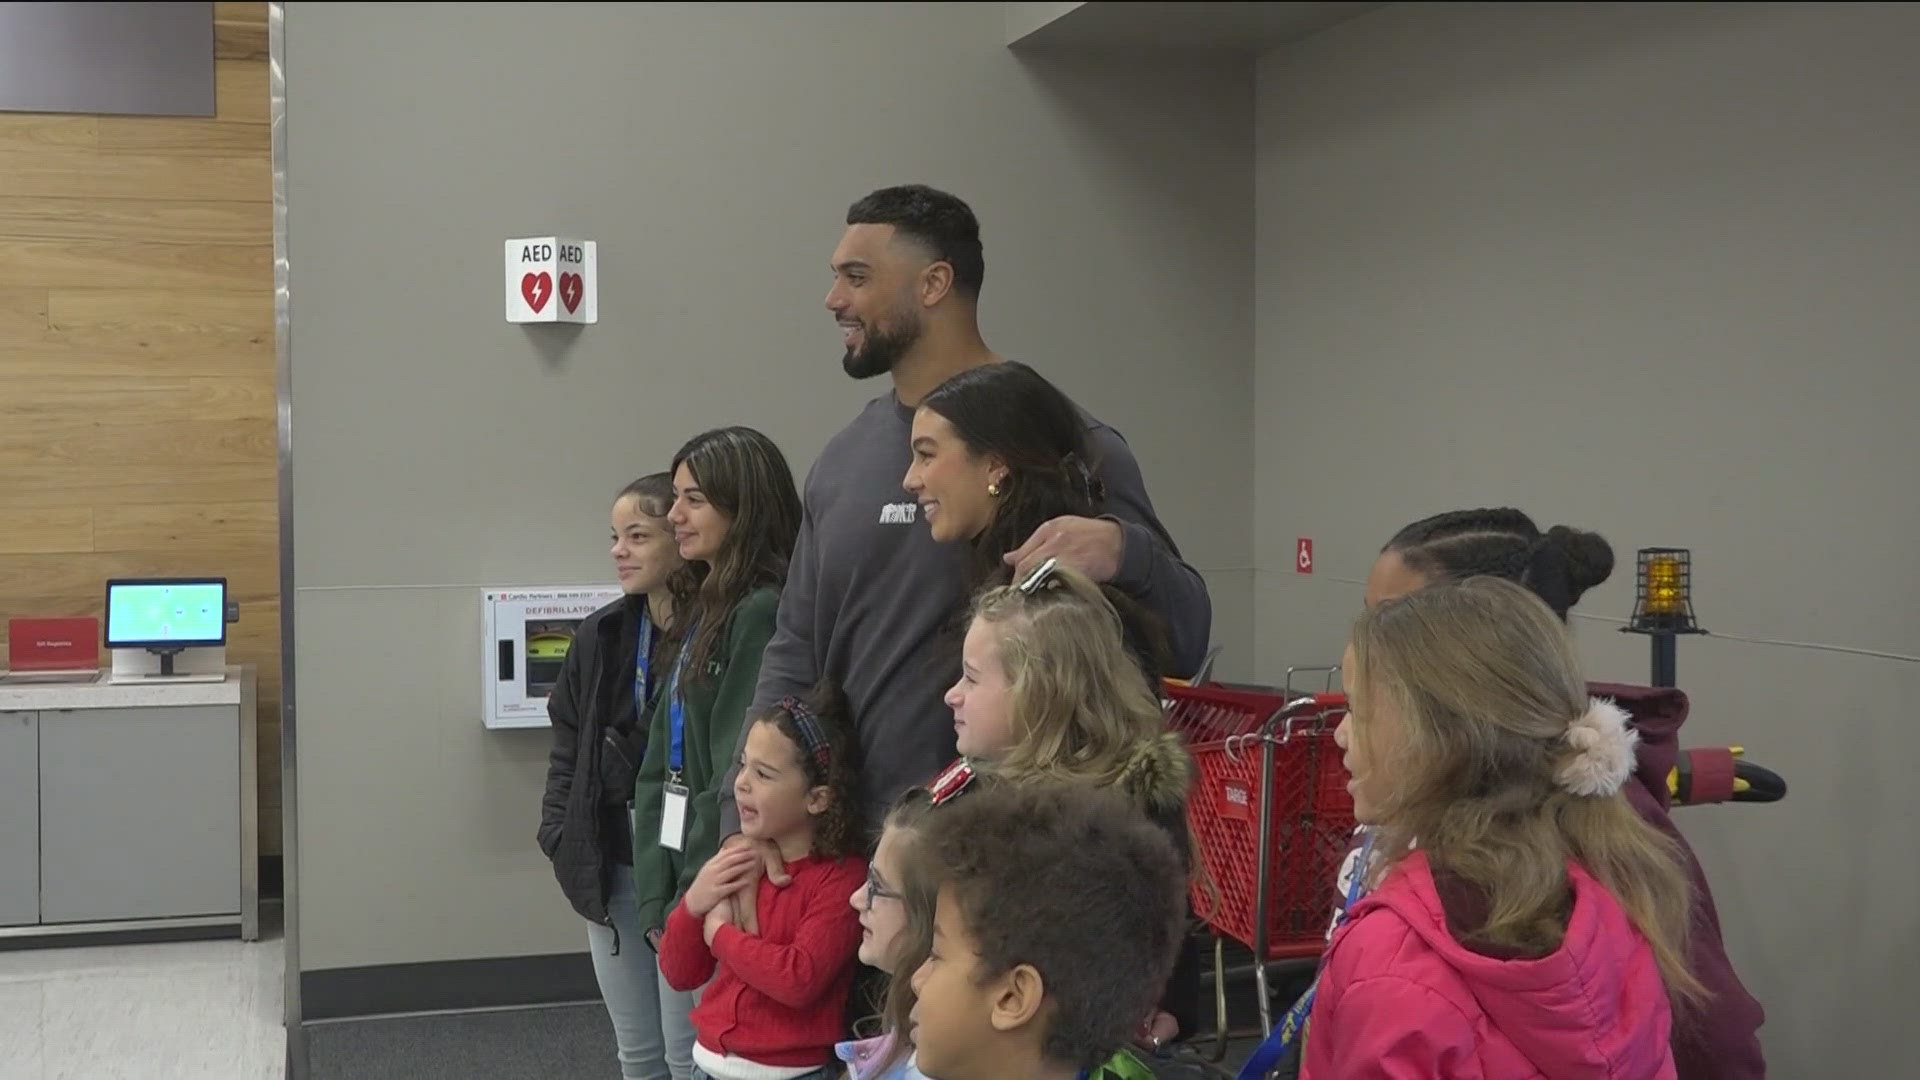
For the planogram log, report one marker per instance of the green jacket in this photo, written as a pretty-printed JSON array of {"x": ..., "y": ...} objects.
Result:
[{"x": 716, "y": 710}]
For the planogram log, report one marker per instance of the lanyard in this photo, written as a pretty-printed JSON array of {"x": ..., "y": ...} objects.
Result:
[
  {"x": 1294, "y": 1023},
  {"x": 677, "y": 710},
  {"x": 643, "y": 669}
]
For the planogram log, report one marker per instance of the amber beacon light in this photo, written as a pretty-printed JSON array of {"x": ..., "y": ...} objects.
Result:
[{"x": 1663, "y": 605}]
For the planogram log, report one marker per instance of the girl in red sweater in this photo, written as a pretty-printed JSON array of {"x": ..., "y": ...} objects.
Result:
[{"x": 777, "y": 998}]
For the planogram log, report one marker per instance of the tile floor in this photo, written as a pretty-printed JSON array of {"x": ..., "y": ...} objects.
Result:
[{"x": 204, "y": 1010}]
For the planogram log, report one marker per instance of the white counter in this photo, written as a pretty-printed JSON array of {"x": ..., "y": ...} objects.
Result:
[{"x": 102, "y": 694}]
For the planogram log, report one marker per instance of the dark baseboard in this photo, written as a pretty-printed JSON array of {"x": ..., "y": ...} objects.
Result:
[
  {"x": 137, "y": 936},
  {"x": 336, "y": 993}
]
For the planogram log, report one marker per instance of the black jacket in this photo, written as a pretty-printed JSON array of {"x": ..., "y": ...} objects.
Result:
[{"x": 598, "y": 739}]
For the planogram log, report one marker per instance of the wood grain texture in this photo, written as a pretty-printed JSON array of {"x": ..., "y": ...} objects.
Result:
[
  {"x": 185, "y": 445},
  {"x": 27, "y": 131},
  {"x": 159, "y": 135},
  {"x": 137, "y": 367},
  {"x": 54, "y": 397},
  {"x": 138, "y": 482},
  {"x": 84, "y": 172},
  {"x": 240, "y": 92},
  {"x": 152, "y": 220},
  {"x": 201, "y": 312},
  {"x": 244, "y": 12},
  {"x": 23, "y": 312},
  {"x": 240, "y": 38},
  {"x": 223, "y": 528},
  {"x": 39, "y": 530},
  {"x": 134, "y": 264}
]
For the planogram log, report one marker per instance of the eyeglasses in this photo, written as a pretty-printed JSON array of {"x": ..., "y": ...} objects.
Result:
[{"x": 877, "y": 888}]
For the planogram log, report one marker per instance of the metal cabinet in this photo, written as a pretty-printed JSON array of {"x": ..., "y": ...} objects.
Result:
[
  {"x": 19, "y": 818},
  {"x": 138, "y": 813}
]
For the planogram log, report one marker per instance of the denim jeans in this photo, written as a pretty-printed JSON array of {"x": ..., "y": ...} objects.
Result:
[{"x": 652, "y": 1022}]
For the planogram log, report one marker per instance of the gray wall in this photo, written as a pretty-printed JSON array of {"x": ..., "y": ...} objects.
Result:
[
  {"x": 1647, "y": 270},
  {"x": 711, "y": 151}
]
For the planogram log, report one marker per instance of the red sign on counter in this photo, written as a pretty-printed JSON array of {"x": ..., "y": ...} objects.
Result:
[{"x": 53, "y": 644}]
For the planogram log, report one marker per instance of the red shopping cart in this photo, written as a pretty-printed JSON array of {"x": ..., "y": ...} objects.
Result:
[{"x": 1272, "y": 819}]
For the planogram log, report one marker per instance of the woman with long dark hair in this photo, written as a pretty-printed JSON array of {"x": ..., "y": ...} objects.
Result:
[
  {"x": 998, "y": 451},
  {"x": 735, "y": 514}
]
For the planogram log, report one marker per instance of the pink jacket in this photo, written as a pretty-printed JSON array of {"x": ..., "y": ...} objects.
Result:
[{"x": 1399, "y": 998}]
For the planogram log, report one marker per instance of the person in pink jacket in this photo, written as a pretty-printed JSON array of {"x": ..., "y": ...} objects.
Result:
[
  {"x": 1522, "y": 921},
  {"x": 1721, "y": 1038}
]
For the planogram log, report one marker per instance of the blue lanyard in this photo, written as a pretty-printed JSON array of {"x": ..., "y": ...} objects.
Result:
[
  {"x": 1294, "y": 1023},
  {"x": 677, "y": 710},
  {"x": 643, "y": 668}
]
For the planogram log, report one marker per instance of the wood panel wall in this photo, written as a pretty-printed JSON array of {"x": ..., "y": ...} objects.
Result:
[{"x": 137, "y": 363}]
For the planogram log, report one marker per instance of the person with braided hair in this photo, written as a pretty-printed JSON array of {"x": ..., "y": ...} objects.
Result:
[
  {"x": 998, "y": 451},
  {"x": 1558, "y": 565},
  {"x": 1718, "y": 1036}
]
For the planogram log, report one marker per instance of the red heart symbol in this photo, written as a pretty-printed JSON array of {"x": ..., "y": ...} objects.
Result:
[
  {"x": 570, "y": 289},
  {"x": 538, "y": 289}
]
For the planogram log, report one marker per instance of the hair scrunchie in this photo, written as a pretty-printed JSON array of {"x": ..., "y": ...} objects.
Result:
[{"x": 1602, "y": 742}]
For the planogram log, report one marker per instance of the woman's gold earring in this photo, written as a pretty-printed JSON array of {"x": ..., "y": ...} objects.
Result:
[{"x": 993, "y": 489}]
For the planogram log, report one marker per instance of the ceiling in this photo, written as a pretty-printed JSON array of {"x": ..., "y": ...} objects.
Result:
[{"x": 1202, "y": 28}]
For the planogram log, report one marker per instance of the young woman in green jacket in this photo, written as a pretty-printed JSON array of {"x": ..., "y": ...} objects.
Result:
[{"x": 735, "y": 515}]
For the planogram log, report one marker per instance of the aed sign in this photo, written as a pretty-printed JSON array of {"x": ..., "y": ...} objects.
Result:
[{"x": 552, "y": 279}]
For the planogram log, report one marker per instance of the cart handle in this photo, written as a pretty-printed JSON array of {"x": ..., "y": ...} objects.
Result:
[
  {"x": 1306, "y": 705},
  {"x": 1318, "y": 719},
  {"x": 1332, "y": 670}
]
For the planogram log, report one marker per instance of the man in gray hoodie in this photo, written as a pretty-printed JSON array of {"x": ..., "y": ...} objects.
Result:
[{"x": 871, "y": 600}]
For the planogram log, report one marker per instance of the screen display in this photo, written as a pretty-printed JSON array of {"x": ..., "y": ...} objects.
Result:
[
  {"x": 166, "y": 613},
  {"x": 149, "y": 59}
]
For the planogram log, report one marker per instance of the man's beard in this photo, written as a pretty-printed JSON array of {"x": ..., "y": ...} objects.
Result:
[{"x": 881, "y": 350}]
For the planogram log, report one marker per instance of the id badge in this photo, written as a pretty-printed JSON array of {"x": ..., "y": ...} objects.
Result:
[{"x": 673, "y": 817}]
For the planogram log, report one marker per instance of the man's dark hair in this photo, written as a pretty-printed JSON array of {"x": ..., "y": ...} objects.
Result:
[
  {"x": 939, "y": 222},
  {"x": 1074, "y": 881}
]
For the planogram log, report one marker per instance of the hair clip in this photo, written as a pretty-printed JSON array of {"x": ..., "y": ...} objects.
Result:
[
  {"x": 1040, "y": 576},
  {"x": 954, "y": 781}
]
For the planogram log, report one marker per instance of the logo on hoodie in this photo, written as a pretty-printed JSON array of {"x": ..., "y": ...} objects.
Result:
[{"x": 899, "y": 513}]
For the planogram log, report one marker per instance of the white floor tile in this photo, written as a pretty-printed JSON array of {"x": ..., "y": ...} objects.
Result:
[{"x": 199, "y": 1010}]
